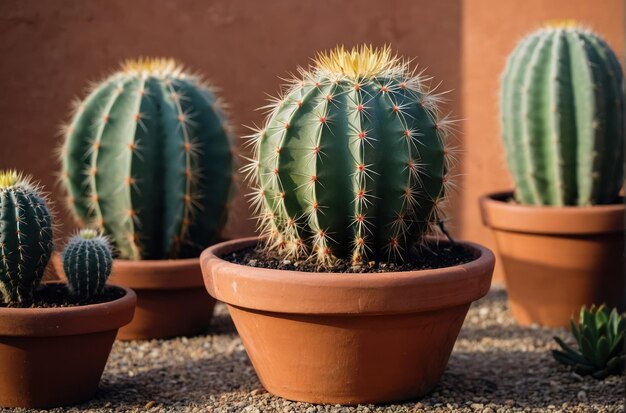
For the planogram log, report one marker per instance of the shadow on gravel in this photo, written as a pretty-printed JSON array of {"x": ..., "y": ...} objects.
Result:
[
  {"x": 495, "y": 332},
  {"x": 188, "y": 383},
  {"x": 518, "y": 378}
]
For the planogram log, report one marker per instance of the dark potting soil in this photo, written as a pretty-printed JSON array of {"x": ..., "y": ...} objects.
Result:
[
  {"x": 57, "y": 295},
  {"x": 432, "y": 257}
]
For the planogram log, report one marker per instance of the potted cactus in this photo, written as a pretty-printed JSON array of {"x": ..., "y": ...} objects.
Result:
[
  {"x": 54, "y": 339},
  {"x": 344, "y": 299},
  {"x": 147, "y": 160},
  {"x": 561, "y": 233}
]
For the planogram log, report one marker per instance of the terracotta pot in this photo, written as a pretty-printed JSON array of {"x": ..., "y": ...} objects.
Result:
[
  {"x": 557, "y": 259},
  {"x": 346, "y": 338},
  {"x": 171, "y": 299},
  {"x": 55, "y": 356}
]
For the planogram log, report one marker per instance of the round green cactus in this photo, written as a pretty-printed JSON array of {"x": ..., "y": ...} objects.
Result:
[
  {"x": 351, "y": 161},
  {"x": 87, "y": 263},
  {"x": 25, "y": 238},
  {"x": 562, "y": 111},
  {"x": 147, "y": 160}
]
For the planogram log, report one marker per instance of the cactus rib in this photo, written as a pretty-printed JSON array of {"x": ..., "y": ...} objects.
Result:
[
  {"x": 147, "y": 160},
  {"x": 87, "y": 262},
  {"x": 26, "y": 241},
  {"x": 351, "y": 161},
  {"x": 562, "y": 113}
]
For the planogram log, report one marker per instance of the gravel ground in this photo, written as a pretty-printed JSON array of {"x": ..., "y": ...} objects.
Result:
[{"x": 495, "y": 367}]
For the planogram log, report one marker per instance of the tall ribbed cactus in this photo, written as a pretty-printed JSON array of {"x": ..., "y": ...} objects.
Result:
[
  {"x": 25, "y": 238},
  {"x": 87, "y": 263},
  {"x": 351, "y": 160},
  {"x": 147, "y": 160},
  {"x": 562, "y": 109}
]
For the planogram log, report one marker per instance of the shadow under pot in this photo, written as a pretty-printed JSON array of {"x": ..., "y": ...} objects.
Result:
[
  {"x": 347, "y": 338},
  {"x": 171, "y": 298},
  {"x": 557, "y": 259},
  {"x": 53, "y": 357}
]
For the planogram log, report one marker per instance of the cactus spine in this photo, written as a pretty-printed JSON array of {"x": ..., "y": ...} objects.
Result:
[
  {"x": 147, "y": 160},
  {"x": 351, "y": 161},
  {"x": 562, "y": 113},
  {"x": 87, "y": 263},
  {"x": 25, "y": 238}
]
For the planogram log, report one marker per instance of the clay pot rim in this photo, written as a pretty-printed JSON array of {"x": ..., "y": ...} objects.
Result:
[
  {"x": 497, "y": 213},
  {"x": 62, "y": 321},
  {"x": 300, "y": 292},
  {"x": 169, "y": 274}
]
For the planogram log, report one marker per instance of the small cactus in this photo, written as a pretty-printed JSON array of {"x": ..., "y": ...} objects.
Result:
[
  {"x": 600, "y": 339},
  {"x": 87, "y": 263},
  {"x": 562, "y": 112},
  {"x": 25, "y": 238},
  {"x": 351, "y": 162},
  {"x": 147, "y": 161}
]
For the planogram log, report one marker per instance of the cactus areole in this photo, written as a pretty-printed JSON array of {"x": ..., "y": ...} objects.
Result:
[
  {"x": 147, "y": 161},
  {"x": 351, "y": 162},
  {"x": 25, "y": 238},
  {"x": 562, "y": 111}
]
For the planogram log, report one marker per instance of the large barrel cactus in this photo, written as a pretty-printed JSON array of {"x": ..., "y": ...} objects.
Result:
[
  {"x": 87, "y": 263},
  {"x": 562, "y": 109},
  {"x": 351, "y": 161},
  {"x": 25, "y": 238},
  {"x": 147, "y": 160}
]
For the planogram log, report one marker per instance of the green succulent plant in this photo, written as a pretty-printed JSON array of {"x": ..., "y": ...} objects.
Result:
[
  {"x": 600, "y": 338},
  {"x": 352, "y": 160},
  {"x": 562, "y": 107},
  {"x": 147, "y": 160},
  {"x": 26, "y": 241},
  {"x": 87, "y": 263}
]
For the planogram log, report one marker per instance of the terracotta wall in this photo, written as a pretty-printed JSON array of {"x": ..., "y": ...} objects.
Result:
[
  {"x": 491, "y": 29},
  {"x": 51, "y": 49}
]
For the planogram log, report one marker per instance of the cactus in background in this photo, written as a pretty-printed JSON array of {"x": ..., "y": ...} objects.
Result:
[
  {"x": 351, "y": 161},
  {"x": 25, "y": 238},
  {"x": 600, "y": 339},
  {"x": 562, "y": 112},
  {"x": 87, "y": 263},
  {"x": 147, "y": 161}
]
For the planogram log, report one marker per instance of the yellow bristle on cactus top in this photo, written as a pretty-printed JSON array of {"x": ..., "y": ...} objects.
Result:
[
  {"x": 156, "y": 66},
  {"x": 359, "y": 62},
  {"x": 9, "y": 178},
  {"x": 561, "y": 24}
]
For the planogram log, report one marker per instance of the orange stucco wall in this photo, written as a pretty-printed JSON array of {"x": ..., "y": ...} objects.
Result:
[{"x": 50, "y": 51}]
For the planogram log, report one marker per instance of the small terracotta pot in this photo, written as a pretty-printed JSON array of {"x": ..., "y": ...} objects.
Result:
[
  {"x": 557, "y": 259},
  {"x": 55, "y": 356},
  {"x": 346, "y": 338},
  {"x": 171, "y": 299}
]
